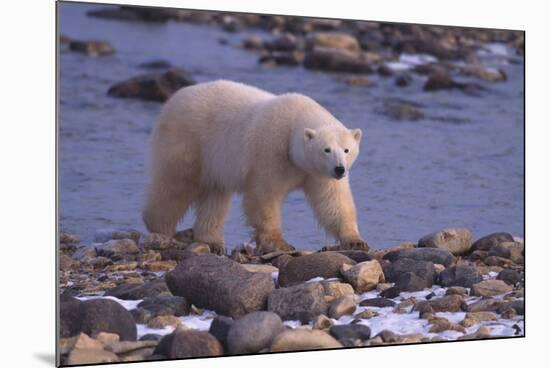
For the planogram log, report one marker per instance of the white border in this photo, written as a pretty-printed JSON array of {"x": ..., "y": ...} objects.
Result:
[{"x": 27, "y": 201}]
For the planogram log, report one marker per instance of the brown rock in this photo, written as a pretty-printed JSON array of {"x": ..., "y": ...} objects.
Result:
[
  {"x": 160, "y": 266},
  {"x": 301, "y": 302},
  {"x": 321, "y": 322},
  {"x": 163, "y": 321},
  {"x": 456, "y": 241},
  {"x": 449, "y": 303},
  {"x": 91, "y": 356},
  {"x": 336, "y": 289},
  {"x": 192, "y": 344},
  {"x": 333, "y": 40},
  {"x": 342, "y": 306},
  {"x": 323, "y": 264},
  {"x": 363, "y": 276},
  {"x": 300, "y": 339},
  {"x": 92, "y": 47},
  {"x": 489, "y": 288}
]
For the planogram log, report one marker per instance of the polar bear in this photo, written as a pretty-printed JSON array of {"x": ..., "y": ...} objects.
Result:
[{"x": 218, "y": 138}]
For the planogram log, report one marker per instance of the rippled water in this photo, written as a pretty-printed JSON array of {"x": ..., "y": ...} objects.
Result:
[{"x": 462, "y": 165}]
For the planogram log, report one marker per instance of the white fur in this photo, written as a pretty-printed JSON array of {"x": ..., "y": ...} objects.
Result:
[{"x": 222, "y": 137}]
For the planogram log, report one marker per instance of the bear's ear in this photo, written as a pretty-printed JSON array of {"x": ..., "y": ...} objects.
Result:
[
  {"x": 356, "y": 134},
  {"x": 309, "y": 134}
]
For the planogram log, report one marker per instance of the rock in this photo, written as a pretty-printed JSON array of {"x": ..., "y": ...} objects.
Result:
[
  {"x": 123, "y": 266},
  {"x": 485, "y": 305},
  {"x": 166, "y": 305},
  {"x": 359, "y": 80},
  {"x": 177, "y": 255},
  {"x": 423, "y": 269},
  {"x": 457, "y": 290},
  {"x": 124, "y": 347},
  {"x": 482, "y": 333},
  {"x": 192, "y": 344},
  {"x": 107, "y": 338},
  {"x": 105, "y": 315},
  {"x": 434, "y": 255},
  {"x": 104, "y": 235},
  {"x": 219, "y": 284},
  {"x": 160, "y": 266},
  {"x": 486, "y": 243},
  {"x": 489, "y": 288},
  {"x": 118, "y": 246},
  {"x": 321, "y": 322},
  {"x": 510, "y": 277},
  {"x": 155, "y": 64},
  {"x": 385, "y": 70},
  {"x": 90, "y": 356},
  {"x": 198, "y": 248},
  {"x": 71, "y": 315},
  {"x": 403, "y": 111},
  {"x": 510, "y": 250},
  {"x": 363, "y": 276},
  {"x": 335, "y": 60},
  {"x": 139, "y": 291},
  {"x": 464, "y": 276},
  {"x": 350, "y": 335},
  {"x": 517, "y": 305},
  {"x": 403, "y": 80},
  {"x": 219, "y": 328},
  {"x": 301, "y": 302},
  {"x": 439, "y": 79},
  {"x": 333, "y": 40},
  {"x": 366, "y": 314},
  {"x": 486, "y": 74},
  {"x": 265, "y": 268},
  {"x": 336, "y": 289},
  {"x": 92, "y": 47},
  {"x": 83, "y": 341},
  {"x": 356, "y": 255},
  {"x": 456, "y": 241},
  {"x": 499, "y": 262},
  {"x": 67, "y": 238},
  {"x": 85, "y": 254},
  {"x": 183, "y": 236},
  {"x": 66, "y": 263},
  {"x": 285, "y": 42},
  {"x": 163, "y": 321},
  {"x": 281, "y": 260},
  {"x": 449, "y": 303},
  {"x": 154, "y": 87},
  {"x": 323, "y": 264},
  {"x": 253, "y": 332},
  {"x": 342, "y": 306},
  {"x": 410, "y": 281},
  {"x": 440, "y": 324},
  {"x": 473, "y": 318},
  {"x": 377, "y": 302},
  {"x": 253, "y": 43},
  {"x": 299, "y": 339}
]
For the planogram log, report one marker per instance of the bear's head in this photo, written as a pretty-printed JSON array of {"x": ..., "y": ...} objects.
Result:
[{"x": 329, "y": 152}]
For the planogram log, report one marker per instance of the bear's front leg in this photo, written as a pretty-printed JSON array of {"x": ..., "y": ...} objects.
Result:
[
  {"x": 333, "y": 205},
  {"x": 263, "y": 213}
]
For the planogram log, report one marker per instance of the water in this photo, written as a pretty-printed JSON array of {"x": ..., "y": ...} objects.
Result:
[{"x": 461, "y": 166}]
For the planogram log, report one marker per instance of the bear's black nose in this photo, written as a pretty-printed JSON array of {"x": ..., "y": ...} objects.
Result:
[{"x": 339, "y": 172}]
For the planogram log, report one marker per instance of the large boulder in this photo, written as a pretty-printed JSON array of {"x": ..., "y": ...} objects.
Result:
[
  {"x": 106, "y": 315},
  {"x": 487, "y": 242},
  {"x": 299, "y": 339},
  {"x": 434, "y": 255},
  {"x": 464, "y": 276},
  {"x": 154, "y": 87},
  {"x": 456, "y": 241},
  {"x": 220, "y": 284},
  {"x": 300, "y": 302},
  {"x": 253, "y": 332},
  {"x": 304, "y": 268}
]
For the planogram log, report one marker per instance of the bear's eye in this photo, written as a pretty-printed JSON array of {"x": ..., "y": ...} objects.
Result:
[
  {"x": 346, "y": 150},
  {"x": 327, "y": 150}
]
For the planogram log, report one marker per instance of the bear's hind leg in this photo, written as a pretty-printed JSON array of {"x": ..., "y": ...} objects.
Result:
[{"x": 211, "y": 209}]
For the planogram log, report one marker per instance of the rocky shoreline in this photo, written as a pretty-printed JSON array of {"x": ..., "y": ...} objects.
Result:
[{"x": 130, "y": 296}]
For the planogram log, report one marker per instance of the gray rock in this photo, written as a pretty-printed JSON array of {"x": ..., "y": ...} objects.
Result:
[
  {"x": 517, "y": 305},
  {"x": 298, "y": 339},
  {"x": 464, "y": 276},
  {"x": 166, "y": 305},
  {"x": 377, "y": 302},
  {"x": 434, "y": 255},
  {"x": 489, "y": 288},
  {"x": 139, "y": 291},
  {"x": 410, "y": 281},
  {"x": 350, "y": 335},
  {"x": 488, "y": 242},
  {"x": 485, "y": 305},
  {"x": 220, "y": 284},
  {"x": 304, "y": 268},
  {"x": 106, "y": 315},
  {"x": 342, "y": 306},
  {"x": 509, "y": 250},
  {"x": 424, "y": 270},
  {"x": 219, "y": 328},
  {"x": 71, "y": 314},
  {"x": 456, "y": 241},
  {"x": 253, "y": 332},
  {"x": 300, "y": 302},
  {"x": 511, "y": 277},
  {"x": 356, "y": 255},
  {"x": 193, "y": 344}
]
